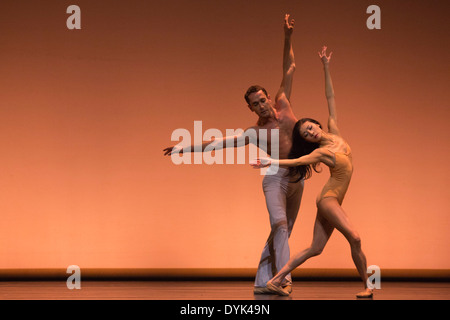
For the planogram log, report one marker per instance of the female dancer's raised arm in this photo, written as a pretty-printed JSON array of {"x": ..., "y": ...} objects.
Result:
[{"x": 329, "y": 92}]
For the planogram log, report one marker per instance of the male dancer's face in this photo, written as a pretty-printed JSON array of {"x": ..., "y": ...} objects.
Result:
[{"x": 260, "y": 104}]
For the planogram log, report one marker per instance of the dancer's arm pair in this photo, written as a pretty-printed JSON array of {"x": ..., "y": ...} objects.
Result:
[
  {"x": 282, "y": 101},
  {"x": 320, "y": 154}
]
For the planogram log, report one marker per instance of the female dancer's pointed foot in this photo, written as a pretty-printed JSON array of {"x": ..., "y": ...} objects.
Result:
[
  {"x": 276, "y": 289},
  {"x": 288, "y": 288},
  {"x": 368, "y": 293}
]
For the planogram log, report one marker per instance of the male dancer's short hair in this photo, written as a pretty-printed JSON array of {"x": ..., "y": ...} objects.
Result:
[{"x": 254, "y": 89}]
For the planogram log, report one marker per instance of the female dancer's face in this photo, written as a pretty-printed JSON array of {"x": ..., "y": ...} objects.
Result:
[{"x": 311, "y": 131}]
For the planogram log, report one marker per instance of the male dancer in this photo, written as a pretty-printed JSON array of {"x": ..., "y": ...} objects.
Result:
[{"x": 282, "y": 197}]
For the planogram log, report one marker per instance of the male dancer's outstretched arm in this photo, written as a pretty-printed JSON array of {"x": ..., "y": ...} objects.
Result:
[{"x": 236, "y": 141}]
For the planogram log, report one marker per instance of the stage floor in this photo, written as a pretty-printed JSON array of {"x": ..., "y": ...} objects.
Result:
[{"x": 215, "y": 290}]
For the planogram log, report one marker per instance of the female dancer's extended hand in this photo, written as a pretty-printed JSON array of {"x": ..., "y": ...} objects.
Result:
[
  {"x": 261, "y": 163},
  {"x": 323, "y": 55}
]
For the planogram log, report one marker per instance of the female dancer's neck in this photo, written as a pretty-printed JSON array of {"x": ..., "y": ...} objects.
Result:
[{"x": 327, "y": 139}]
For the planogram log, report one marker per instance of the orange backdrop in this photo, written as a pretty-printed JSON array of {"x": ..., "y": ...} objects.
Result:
[{"x": 86, "y": 113}]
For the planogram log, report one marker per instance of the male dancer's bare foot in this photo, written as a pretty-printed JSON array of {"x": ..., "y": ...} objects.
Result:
[{"x": 368, "y": 293}]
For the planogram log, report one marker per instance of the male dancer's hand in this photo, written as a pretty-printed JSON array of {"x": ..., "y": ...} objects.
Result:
[
  {"x": 172, "y": 150},
  {"x": 288, "y": 26}
]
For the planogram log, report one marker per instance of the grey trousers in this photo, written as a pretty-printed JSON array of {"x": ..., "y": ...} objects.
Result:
[{"x": 283, "y": 202}]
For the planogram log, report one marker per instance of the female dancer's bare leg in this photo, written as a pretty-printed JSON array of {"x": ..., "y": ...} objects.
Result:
[
  {"x": 330, "y": 215},
  {"x": 336, "y": 216},
  {"x": 321, "y": 234}
]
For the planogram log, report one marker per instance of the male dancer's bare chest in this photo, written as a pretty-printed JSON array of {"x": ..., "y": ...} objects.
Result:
[{"x": 277, "y": 136}]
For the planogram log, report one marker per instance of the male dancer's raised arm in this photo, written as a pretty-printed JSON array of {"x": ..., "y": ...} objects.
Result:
[{"x": 284, "y": 93}]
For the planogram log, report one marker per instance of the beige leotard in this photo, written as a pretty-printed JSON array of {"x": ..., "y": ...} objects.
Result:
[{"x": 341, "y": 175}]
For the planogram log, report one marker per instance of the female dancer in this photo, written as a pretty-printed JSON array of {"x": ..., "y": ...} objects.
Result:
[{"x": 312, "y": 145}]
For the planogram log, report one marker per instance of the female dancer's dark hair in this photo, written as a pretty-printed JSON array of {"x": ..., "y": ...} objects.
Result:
[{"x": 301, "y": 147}]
